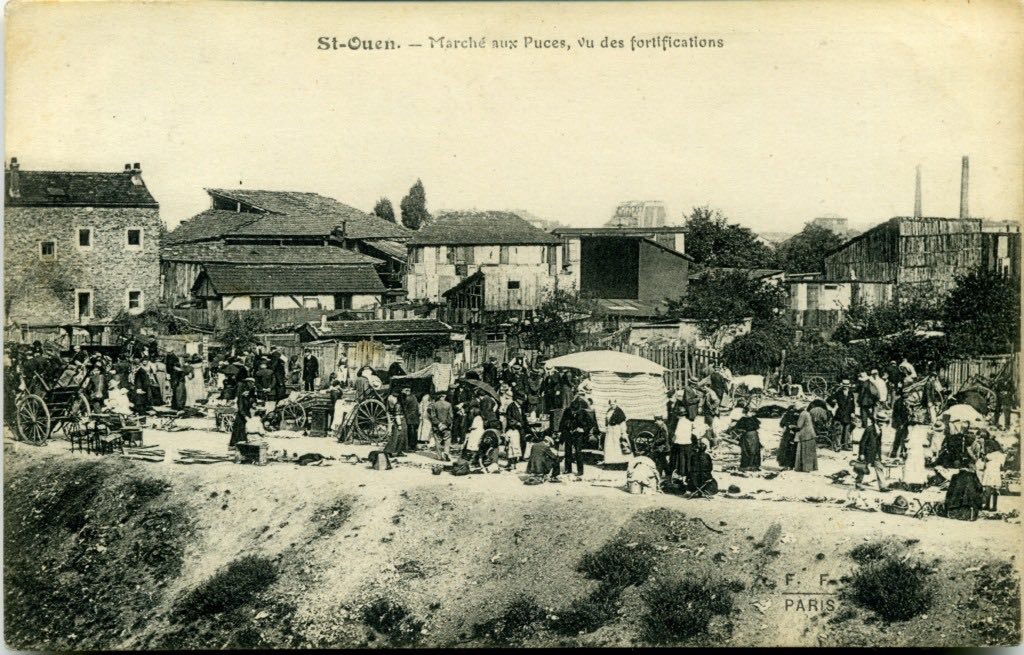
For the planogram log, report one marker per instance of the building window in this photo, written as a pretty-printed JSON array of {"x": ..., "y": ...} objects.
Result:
[
  {"x": 47, "y": 250},
  {"x": 260, "y": 302},
  {"x": 311, "y": 302},
  {"x": 85, "y": 238},
  {"x": 83, "y": 303},
  {"x": 133, "y": 238},
  {"x": 135, "y": 300},
  {"x": 503, "y": 255},
  {"x": 417, "y": 256},
  {"x": 513, "y": 284}
]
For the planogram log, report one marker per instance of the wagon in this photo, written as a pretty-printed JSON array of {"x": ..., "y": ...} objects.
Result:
[
  {"x": 368, "y": 421},
  {"x": 288, "y": 414},
  {"x": 57, "y": 408}
]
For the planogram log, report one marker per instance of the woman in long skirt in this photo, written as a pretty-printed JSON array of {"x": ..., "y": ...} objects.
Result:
[
  {"x": 397, "y": 440},
  {"x": 615, "y": 420},
  {"x": 914, "y": 472},
  {"x": 750, "y": 442},
  {"x": 806, "y": 444},
  {"x": 425, "y": 426}
]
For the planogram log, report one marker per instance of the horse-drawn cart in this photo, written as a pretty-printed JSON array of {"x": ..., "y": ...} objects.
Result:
[{"x": 63, "y": 406}]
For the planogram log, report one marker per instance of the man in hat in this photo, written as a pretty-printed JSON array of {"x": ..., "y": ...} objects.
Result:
[
  {"x": 246, "y": 400},
  {"x": 310, "y": 371},
  {"x": 265, "y": 380},
  {"x": 140, "y": 389},
  {"x": 230, "y": 372},
  {"x": 176, "y": 377},
  {"x": 441, "y": 418},
  {"x": 577, "y": 424},
  {"x": 243, "y": 370},
  {"x": 411, "y": 412},
  {"x": 843, "y": 406},
  {"x": 277, "y": 366}
]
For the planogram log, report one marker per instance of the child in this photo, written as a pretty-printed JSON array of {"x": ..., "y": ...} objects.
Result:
[
  {"x": 512, "y": 447},
  {"x": 992, "y": 477}
]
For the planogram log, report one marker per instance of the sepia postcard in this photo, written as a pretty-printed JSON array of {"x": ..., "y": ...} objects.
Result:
[{"x": 512, "y": 324}]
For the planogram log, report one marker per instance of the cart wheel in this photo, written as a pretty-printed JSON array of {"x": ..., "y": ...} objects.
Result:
[
  {"x": 371, "y": 420},
  {"x": 754, "y": 400},
  {"x": 33, "y": 420},
  {"x": 77, "y": 417},
  {"x": 292, "y": 416},
  {"x": 816, "y": 386}
]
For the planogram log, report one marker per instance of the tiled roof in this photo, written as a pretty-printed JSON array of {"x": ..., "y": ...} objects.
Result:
[
  {"x": 77, "y": 189},
  {"x": 394, "y": 327},
  {"x": 481, "y": 228},
  {"x": 217, "y": 252},
  {"x": 295, "y": 213},
  {"x": 210, "y": 224},
  {"x": 241, "y": 279},
  {"x": 391, "y": 248}
]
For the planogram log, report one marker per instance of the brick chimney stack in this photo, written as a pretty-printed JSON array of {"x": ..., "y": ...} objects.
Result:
[
  {"x": 14, "y": 184},
  {"x": 917, "y": 194},
  {"x": 136, "y": 173},
  {"x": 965, "y": 170}
]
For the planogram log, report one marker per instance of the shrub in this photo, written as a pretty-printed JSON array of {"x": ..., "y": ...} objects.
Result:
[
  {"x": 875, "y": 551},
  {"x": 392, "y": 620},
  {"x": 683, "y": 609},
  {"x": 894, "y": 589},
  {"x": 332, "y": 516},
  {"x": 230, "y": 588},
  {"x": 519, "y": 620},
  {"x": 586, "y": 614},
  {"x": 618, "y": 564}
]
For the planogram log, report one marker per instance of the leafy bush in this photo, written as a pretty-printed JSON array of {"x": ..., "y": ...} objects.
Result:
[
  {"x": 587, "y": 614},
  {"x": 683, "y": 609},
  {"x": 618, "y": 564},
  {"x": 894, "y": 589},
  {"x": 230, "y": 588},
  {"x": 392, "y": 620},
  {"x": 519, "y": 620},
  {"x": 875, "y": 551}
]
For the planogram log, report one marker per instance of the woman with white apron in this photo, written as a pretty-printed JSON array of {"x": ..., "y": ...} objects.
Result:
[
  {"x": 615, "y": 439},
  {"x": 425, "y": 426}
]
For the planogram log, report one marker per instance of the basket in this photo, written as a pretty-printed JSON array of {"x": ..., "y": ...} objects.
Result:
[{"x": 890, "y": 508}]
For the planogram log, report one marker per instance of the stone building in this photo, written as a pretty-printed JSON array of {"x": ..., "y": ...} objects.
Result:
[
  {"x": 79, "y": 247},
  {"x": 484, "y": 261}
]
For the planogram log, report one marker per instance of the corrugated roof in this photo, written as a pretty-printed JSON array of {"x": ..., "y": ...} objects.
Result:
[
  {"x": 77, "y": 189},
  {"x": 628, "y": 307},
  {"x": 394, "y": 327},
  {"x": 299, "y": 213},
  {"x": 218, "y": 252},
  {"x": 481, "y": 228},
  {"x": 242, "y": 279}
]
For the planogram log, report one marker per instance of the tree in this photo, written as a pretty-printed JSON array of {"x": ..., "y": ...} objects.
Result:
[
  {"x": 414, "y": 207},
  {"x": 724, "y": 299},
  {"x": 561, "y": 318},
  {"x": 384, "y": 210},
  {"x": 805, "y": 252},
  {"x": 758, "y": 352},
  {"x": 714, "y": 242},
  {"x": 982, "y": 315},
  {"x": 240, "y": 332},
  {"x": 914, "y": 308}
]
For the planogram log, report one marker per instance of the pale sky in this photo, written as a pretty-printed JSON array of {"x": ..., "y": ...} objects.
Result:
[{"x": 808, "y": 108}]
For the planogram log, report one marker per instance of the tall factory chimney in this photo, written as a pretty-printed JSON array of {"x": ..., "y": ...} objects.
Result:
[
  {"x": 964, "y": 174},
  {"x": 917, "y": 194}
]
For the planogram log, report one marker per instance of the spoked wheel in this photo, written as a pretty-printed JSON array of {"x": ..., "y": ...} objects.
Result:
[
  {"x": 371, "y": 420},
  {"x": 816, "y": 386},
  {"x": 292, "y": 417},
  {"x": 754, "y": 400},
  {"x": 33, "y": 420},
  {"x": 77, "y": 418}
]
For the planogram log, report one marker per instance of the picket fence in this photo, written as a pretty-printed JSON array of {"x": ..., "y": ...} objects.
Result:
[{"x": 960, "y": 371}]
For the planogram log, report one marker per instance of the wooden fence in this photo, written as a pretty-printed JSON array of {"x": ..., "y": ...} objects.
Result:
[
  {"x": 217, "y": 318},
  {"x": 959, "y": 371}
]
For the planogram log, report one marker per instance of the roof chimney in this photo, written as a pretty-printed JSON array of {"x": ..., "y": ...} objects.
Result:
[
  {"x": 14, "y": 184},
  {"x": 965, "y": 170},
  {"x": 136, "y": 172},
  {"x": 917, "y": 194},
  {"x": 127, "y": 168},
  {"x": 323, "y": 322}
]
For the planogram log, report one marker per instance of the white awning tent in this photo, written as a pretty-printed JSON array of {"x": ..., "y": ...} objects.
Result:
[{"x": 634, "y": 382}]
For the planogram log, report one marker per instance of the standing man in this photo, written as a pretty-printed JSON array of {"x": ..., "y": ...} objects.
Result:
[
  {"x": 246, "y": 399},
  {"x": 491, "y": 372},
  {"x": 176, "y": 377},
  {"x": 277, "y": 366},
  {"x": 310, "y": 371},
  {"x": 709, "y": 408},
  {"x": 844, "y": 407},
  {"x": 867, "y": 398},
  {"x": 901, "y": 422},
  {"x": 440, "y": 414},
  {"x": 552, "y": 390},
  {"x": 411, "y": 412},
  {"x": 265, "y": 381},
  {"x": 576, "y": 426}
]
